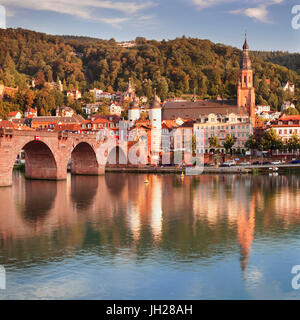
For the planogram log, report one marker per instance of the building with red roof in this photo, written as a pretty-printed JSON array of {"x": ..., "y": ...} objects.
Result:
[
  {"x": 14, "y": 115},
  {"x": 286, "y": 126}
]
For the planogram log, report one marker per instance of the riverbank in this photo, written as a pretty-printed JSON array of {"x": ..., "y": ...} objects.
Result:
[
  {"x": 166, "y": 170},
  {"x": 264, "y": 169}
]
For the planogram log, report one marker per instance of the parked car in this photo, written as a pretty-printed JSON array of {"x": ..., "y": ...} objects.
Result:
[
  {"x": 256, "y": 163},
  {"x": 295, "y": 162},
  {"x": 266, "y": 163},
  {"x": 229, "y": 163},
  {"x": 245, "y": 163},
  {"x": 276, "y": 162}
]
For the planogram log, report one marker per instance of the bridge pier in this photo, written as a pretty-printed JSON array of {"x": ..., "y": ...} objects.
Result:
[
  {"x": 87, "y": 168},
  {"x": 5, "y": 178}
]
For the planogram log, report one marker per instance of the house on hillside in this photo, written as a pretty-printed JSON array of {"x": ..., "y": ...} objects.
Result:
[
  {"x": 14, "y": 115},
  {"x": 115, "y": 109},
  {"x": 75, "y": 94},
  {"x": 65, "y": 112},
  {"x": 289, "y": 86}
]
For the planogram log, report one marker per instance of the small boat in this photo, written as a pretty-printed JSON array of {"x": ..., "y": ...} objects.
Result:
[
  {"x": 274, "y": 174},
  {"x": 274, "y": 168}
]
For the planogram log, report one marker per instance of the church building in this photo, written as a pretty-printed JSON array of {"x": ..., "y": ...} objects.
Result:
[{"x": 220, "y": 110}]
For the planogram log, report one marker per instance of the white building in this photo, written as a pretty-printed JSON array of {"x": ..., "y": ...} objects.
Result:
[
  {"x": 74, "y": 93},
  {"x": 238, "y": 126},
  {"x": 270, "y": 115},
  {"x": 260, "y": 109},
  {"x": 97, "y": 93},
  {"x": 287, "y": 105},
  {"x": 286, "y": 126},
  {"x": 133, "y": 112},
  {"x": 65, "y": 112},
  {"x": 14, "y": 115},
  {"x": 91, "y": 108},
  {"x": 289, "y": 86},
  {"x": 115, "y": 109},
  {"x": 155, "y": 120}
]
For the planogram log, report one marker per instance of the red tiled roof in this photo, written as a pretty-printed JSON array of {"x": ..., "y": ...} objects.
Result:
[
  {"x": 67, "y": 127},
  {"x": 289, "y": 117},
  {"x": 99, "y": 120},
  {"x": 7, "y": 124},
  {"x": 13, "y": 113}
]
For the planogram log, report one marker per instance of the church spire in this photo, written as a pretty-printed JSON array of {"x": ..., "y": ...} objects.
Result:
[
  {"x": 246, "y": 62},
  {"x": 245, "y": 46}
]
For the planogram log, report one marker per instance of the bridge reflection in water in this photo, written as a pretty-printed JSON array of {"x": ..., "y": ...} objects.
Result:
[{"x": 185, "y": 224}]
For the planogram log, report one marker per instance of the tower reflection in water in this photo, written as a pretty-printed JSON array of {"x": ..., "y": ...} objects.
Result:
[{"x": 195, "y": 218}]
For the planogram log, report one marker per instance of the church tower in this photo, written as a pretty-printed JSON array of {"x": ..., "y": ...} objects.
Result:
[
  {"x": 245, "y": 89},
  {"x": 133, "y": 112}
]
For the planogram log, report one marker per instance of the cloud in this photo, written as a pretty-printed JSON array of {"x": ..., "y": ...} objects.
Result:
[
  {"x": 202, "y": 4},
  {"x": 259, "y": 12},
  {"x": 85, "y": 9}
]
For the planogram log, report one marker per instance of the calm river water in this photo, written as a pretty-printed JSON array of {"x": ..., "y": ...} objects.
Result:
[{"x": 115, "y": 237}]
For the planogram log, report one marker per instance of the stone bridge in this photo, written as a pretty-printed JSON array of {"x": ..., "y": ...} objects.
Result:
[{"x": 47, "y": 154}]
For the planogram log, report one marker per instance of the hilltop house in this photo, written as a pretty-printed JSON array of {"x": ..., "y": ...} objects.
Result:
[{"x": 14, "y": 115}]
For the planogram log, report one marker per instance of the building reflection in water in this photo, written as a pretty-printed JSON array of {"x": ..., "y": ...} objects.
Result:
[{"x": 201, "y": 217}]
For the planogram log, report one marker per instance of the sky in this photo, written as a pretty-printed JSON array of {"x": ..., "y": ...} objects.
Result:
[{"x": 268, "y": 23}]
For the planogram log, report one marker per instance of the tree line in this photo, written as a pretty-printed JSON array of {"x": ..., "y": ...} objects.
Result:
[{"x": 174, "y": 67}]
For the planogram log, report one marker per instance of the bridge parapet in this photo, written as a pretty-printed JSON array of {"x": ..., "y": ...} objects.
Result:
[{"x": 6, "y": 132}]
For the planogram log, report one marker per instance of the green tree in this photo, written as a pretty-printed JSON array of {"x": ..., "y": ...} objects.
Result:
[
  {"x": 229, "y": 143},
  {"x": 214, "y": 143},
  {"x": 88, "y": 97},
  {"x": 253, "y": 143},
  {"x": 291, "y": 111},
  {"x": 271, "y": 141},
  {"x": 293, "y": 143}
]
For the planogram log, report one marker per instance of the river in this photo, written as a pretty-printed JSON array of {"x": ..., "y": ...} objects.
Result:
[{"x": 117, "y": 237}]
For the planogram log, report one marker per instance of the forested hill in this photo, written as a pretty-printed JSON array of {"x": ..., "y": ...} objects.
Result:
[
  {"x": 286, "y": 59},
  {"x": 174, "y": 67}
]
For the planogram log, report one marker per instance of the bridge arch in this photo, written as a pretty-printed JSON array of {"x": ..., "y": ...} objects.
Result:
[
  {"x": 40, "y": 162},
  {"x": 44, "y": 158},
  {"x": 84, "y": 160}
]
